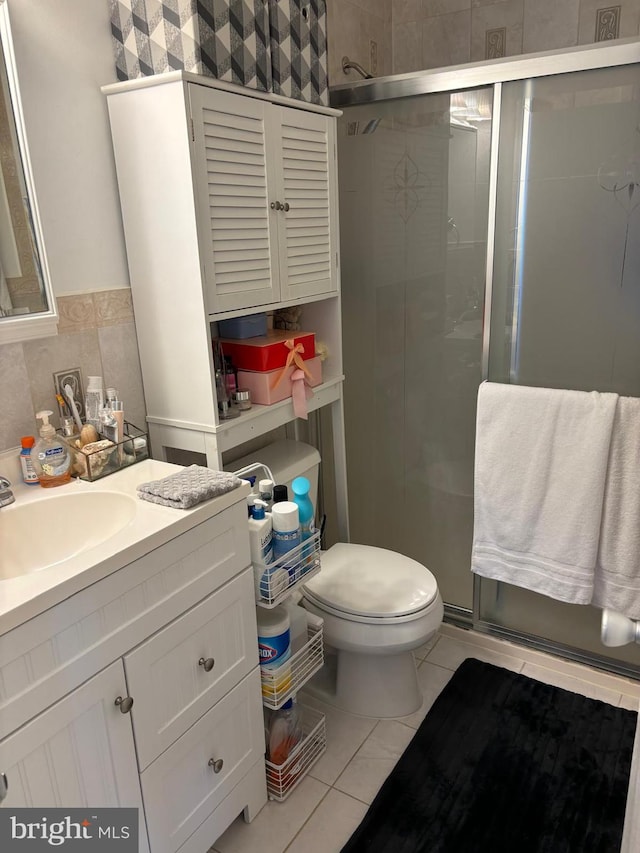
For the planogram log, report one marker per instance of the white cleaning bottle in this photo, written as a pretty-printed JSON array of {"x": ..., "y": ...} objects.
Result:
[
  {"x": 270, "y": 582},
  {"x": 260, "y": 533}
]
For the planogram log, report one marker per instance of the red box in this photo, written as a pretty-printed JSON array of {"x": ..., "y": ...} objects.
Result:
[
  {"x": 260, "y": 382},
  {"x": 268, "y": 352}
]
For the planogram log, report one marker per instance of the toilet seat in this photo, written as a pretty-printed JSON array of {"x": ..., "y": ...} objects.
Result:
[{"x": 373, "y": 585}]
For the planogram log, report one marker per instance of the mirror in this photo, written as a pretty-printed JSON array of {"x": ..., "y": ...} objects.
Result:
[{"x": 27, "y": 307}]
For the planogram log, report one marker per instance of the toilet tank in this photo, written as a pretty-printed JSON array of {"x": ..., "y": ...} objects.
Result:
[{"x": 287, "y": 459}]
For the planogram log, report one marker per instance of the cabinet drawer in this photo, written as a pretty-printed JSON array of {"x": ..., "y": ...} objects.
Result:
[
  {"x": 170, "y": 687},
  {"x": 182, "y": 788}
]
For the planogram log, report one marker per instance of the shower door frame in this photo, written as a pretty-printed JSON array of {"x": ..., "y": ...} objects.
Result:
[{"x": 474, "y": 76}]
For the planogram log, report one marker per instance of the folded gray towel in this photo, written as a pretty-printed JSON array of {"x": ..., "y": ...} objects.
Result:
[{"x": 189, "y": 487}]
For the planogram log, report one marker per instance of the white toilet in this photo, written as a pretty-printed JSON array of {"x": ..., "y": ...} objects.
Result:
[{"x": 377, "y": 607}]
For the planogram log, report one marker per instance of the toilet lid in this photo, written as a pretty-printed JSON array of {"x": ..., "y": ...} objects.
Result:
[{"x": 366, "y": 581}]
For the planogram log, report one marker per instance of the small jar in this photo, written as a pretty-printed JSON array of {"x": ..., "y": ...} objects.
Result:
[{"x": 242, "y": 399}]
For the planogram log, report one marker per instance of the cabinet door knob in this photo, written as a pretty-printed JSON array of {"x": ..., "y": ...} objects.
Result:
[
  {"x": 286, "y": 207},
  {"x": 4, "y": 786},
  {"x": 125, "y": 704},
  {"x": 207, "y": 664},
  {"x": 217, "y": 764},
  {"x": 275, "y": 205}
]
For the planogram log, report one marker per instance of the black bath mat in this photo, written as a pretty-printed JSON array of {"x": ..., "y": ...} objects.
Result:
[{"x": 505, "y": 764}]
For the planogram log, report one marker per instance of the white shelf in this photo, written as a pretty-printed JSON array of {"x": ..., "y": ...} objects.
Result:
[
  {"x": 282, "y": 779},
  {"x": 300, "y": 563},
  {"x": 297, "y": 670},
  {"x": 250, "y": 424}
]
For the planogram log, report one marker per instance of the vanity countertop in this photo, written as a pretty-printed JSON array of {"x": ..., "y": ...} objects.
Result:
[{"x": 27, "y": 595}]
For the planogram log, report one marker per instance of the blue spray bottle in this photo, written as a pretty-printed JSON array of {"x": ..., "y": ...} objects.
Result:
[{"x": 300, "y": 488}]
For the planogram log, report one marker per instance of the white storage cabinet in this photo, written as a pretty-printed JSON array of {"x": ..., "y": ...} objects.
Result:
[{"x": 229, "y": 203}]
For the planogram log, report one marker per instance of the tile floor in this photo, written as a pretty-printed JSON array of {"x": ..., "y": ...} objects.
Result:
[{"x": 328, "y": 805}]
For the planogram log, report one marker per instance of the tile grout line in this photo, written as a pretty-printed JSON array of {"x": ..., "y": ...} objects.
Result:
[{"x": 309, "y": 816}]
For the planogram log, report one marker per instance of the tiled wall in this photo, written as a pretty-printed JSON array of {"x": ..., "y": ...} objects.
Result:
[
  {"x": 436, "y": 33},
  {"x": 361, "y": 30},
  {"x": 96, "y": 334}
]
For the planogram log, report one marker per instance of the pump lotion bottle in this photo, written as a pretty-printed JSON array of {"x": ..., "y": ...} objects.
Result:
[{"x": 51, "y": 456}]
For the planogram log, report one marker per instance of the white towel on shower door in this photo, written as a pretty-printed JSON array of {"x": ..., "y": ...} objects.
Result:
[
  {"x": 617, "y": 577},
  {"x": 540, "y": 469}
]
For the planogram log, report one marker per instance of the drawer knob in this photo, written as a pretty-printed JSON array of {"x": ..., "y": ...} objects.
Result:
[
  {"x": 206, "y": 663},
  {"x": 217, "y": 764},
  {"x": 125, "y": 704}
]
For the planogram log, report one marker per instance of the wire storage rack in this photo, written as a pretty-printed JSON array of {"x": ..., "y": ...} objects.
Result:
[
  {"x": 281, "y": 683},
  {"x": 283, "y": 778},
  {"x": 274, "y": 583}
]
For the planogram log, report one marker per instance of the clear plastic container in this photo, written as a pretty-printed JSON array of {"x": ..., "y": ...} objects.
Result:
[{"x": 94, "y": 401}]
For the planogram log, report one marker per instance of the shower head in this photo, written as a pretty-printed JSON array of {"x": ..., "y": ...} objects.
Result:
[{"x": 348, "y": 64}]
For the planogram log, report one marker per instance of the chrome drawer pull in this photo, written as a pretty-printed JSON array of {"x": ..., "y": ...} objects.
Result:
[
  {"x": 207, "y": 664},
  {"x": 217, "y": 764},
  {"x": 125, "y": 704}
]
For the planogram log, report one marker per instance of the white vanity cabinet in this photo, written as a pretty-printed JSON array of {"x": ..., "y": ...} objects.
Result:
[{"x": 143, "y": 690}]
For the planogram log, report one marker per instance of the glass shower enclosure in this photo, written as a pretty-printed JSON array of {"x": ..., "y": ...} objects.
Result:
[{"x": 489, "y": 230}]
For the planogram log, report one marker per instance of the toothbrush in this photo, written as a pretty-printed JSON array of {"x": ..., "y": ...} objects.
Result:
[{"x": 74, "y": 408}]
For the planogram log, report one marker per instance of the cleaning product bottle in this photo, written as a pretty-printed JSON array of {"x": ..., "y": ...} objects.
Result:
[
  {"x": 285, "y": 732},
  {"x": 286, "y": 536},
  {"x": 274, "y": 650},
  {"x": 298, "y": 626},
  {"x": 29, "y": 473},
  {"x": 300, "y": 488},
  {"x": 51, "y": 456}
]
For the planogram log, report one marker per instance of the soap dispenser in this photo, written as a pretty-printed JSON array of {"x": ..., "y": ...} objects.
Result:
[{"x": 51, "y": 456}]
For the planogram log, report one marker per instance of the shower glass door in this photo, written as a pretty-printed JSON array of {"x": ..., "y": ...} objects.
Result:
[
  {"x": 414, "y": 192},
  {"x": 565, "y": 308}
]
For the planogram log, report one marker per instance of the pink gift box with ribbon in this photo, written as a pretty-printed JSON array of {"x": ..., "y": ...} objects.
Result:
[{"x": 272, "y": 386}]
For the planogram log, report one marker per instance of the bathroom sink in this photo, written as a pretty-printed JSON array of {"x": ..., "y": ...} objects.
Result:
[{"x": 46, "y": 531}]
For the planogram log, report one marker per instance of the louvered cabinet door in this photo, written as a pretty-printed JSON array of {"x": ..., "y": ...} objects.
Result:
[
  {"x": 234, "y": 186},
  {"x": 308, "y": 228}
]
